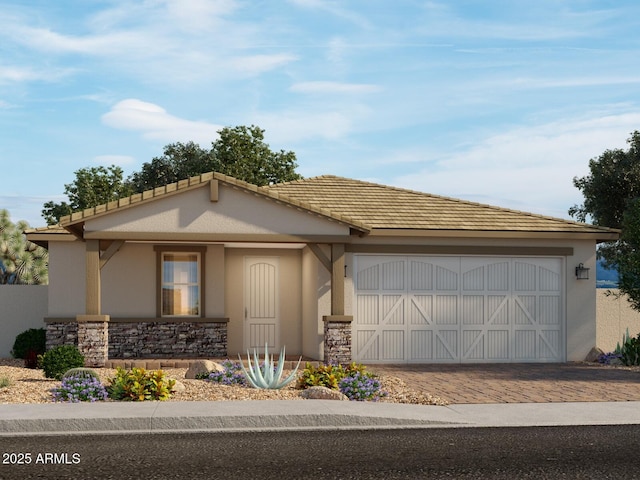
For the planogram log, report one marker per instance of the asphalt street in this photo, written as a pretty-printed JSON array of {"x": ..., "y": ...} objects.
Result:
[{"x": 577, "y": 452}]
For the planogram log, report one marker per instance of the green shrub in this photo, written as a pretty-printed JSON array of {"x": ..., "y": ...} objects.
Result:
[
  {"x": 328, "y": 375},
  {"x": 4, "y": 382},
  {"x": 60, "y": 359},
  {"x": 138, "y": 385},
  {"x": 32, "y": 340},
  {"x": 630, "y": 350}
]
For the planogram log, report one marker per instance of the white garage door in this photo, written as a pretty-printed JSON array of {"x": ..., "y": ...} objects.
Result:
[{"x": 458, "y": 309}]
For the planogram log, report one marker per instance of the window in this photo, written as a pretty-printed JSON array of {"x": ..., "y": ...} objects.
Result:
[{"x": 181, "y": 285}]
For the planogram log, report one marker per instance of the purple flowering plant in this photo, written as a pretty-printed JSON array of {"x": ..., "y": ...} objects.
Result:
[
  {"x": 231, "y": 375},
  {"x": 361, "y": 386},
  {"x": 79, "y": 388}
]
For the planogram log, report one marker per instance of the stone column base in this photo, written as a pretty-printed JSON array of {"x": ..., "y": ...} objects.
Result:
[
  {"x": 337, "y": 339},
  {"x": 93, "y": 339}
]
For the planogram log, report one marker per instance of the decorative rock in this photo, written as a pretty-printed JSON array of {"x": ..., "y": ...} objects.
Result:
[
  {"x": 593, "y": 355},
  {"x": 322, "y": 393},
  {"x": 202, "y": 366},
  {"x": 179, "y": 387}
]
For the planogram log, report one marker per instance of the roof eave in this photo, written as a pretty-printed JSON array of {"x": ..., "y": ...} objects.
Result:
[{"x": 598, "y": 236}]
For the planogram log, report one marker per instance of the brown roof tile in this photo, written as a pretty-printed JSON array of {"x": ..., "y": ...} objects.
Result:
[{"x": 386, "y": 207}]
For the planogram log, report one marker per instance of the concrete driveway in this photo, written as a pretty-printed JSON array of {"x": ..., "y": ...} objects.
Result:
[{"x": 520, "y": 383}]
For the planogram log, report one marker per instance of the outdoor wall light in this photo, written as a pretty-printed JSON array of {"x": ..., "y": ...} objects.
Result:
[{"x": 582, "y": 272}]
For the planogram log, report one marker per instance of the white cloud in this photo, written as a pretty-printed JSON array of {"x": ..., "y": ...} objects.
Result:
[
  {"x": 256, "y": 64},
  {"x": 531, "y": 167},
  {"x": 334, "y": 87},
  {"x": 154, "y": 122},
  {"x": 15, "y": 74},
  {"x": 114, "y": 160}
]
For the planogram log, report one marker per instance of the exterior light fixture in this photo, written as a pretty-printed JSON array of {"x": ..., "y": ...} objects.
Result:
[{"x": 582, "y": 272}]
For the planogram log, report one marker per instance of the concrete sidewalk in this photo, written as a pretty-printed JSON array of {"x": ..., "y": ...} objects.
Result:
[{"x": 157, "y": 417}]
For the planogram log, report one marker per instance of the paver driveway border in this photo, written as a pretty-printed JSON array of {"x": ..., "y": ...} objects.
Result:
[{"x": 519, "y": 383}]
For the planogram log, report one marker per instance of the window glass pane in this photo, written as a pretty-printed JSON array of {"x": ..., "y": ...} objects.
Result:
[
  {"x": 180, "y": 284},
  {"x": 180, "y": 268}
]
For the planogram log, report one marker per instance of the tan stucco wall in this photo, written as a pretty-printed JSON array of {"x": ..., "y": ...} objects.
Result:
[
  {"x": 67, "y": 274},
  {"x": 615, "y": 316},
  {"x": 290, "y": 291},
  {"x": 235, "y": 212},
  {"x": 21, "y": 307}
]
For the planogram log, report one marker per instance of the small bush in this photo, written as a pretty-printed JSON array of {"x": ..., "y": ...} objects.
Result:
[
  {"x": 138, "y": 385},
  {"x": 231, "y": 375},
  {"x": 327, "y": 375},
  {"x": 59, "y": 359},
  {"x": 29, "y": 343},
  {"x": 630, "y": 350},
  {"x": 79, "y": 387},
  {"x": 361, "y": 386},
  {"x": 4, "y": 382}
]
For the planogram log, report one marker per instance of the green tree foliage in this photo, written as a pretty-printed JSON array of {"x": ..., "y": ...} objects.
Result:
[
  {"x": 612, "y": 198},
  {"x": 239, "y": 152},
  {"x": 179, "y": 161},
  {"x": 92, "y": 186},
  {"x": 614, "y": 181},
  {"x": 21, "y": 262}
]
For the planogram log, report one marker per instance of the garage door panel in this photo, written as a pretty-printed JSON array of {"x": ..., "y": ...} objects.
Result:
[
  {"x": 421, "y": 345},
  {"x": 458, "y": 309},
  {"x": 473, "y": 344},
  {"x": 393, "y": 275},
  {"x": 421, "y": 276},
  {"x": 473, "y": 312},
  {"x": 445, "y": 311},
  {"x": 366, "y": 344},
  {"x": 420, "y": 310},
  {"x": 446, "y": 345},
  {"x": 393, "y": 345},
  {"x": 498, "y": 309},
  {"x": 368, "y": 309},
  {"x": 392, "y": 307}
]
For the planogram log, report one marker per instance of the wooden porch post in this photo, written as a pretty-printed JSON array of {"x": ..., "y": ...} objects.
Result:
[
  {"x": 93, "y": 299},
  {"x": 337, "y": 326},
  {"x": 337, "y": 279},
  {"x": 93, "y": 327}
]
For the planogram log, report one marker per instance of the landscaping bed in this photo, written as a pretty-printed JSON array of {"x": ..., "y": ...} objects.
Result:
[{"x": 30, "y": 386}]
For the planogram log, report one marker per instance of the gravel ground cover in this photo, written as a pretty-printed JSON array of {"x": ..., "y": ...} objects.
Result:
[{"x": 31, "y": 386}]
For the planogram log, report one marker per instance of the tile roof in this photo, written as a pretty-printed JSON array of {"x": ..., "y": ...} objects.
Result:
[
  {"x": 369, "y": 206},
  {"x": 386, "y": 207}
]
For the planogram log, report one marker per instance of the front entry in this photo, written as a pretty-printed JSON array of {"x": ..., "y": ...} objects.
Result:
[{"x": 261, "y": 306}]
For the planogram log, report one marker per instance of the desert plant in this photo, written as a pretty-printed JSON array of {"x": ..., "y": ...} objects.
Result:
[
  {"x": 630, "y": 350},
  {"x": 231, "y": 375},
  {"x": 31, "y": 342},
  {"x": 138, "y": 384},
  {"x": 58, "y": 360},
  {"x": 267, "y": 375},
  {"x": 361, "y": 386},
  {"x": 80, "y": 386},
  {"x": 5, "y": 382}
]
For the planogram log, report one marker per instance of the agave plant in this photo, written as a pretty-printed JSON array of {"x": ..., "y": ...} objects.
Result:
[{"x": 269, "y": 376}]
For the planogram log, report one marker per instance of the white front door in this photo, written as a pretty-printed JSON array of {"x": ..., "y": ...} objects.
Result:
[{"x": 261, "y": 306}]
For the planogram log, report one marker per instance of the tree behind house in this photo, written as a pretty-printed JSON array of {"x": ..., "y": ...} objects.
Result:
[{"x": 612, "y": 199}]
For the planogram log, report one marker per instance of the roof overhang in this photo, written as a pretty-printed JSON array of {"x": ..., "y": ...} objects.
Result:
[{"x": 598, "y": 236}]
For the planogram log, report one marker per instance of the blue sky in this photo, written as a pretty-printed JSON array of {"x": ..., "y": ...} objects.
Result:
[{"x": 499, "y": 102}]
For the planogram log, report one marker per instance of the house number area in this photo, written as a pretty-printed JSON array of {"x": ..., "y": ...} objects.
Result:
[{"x": 40, "y": 458}]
